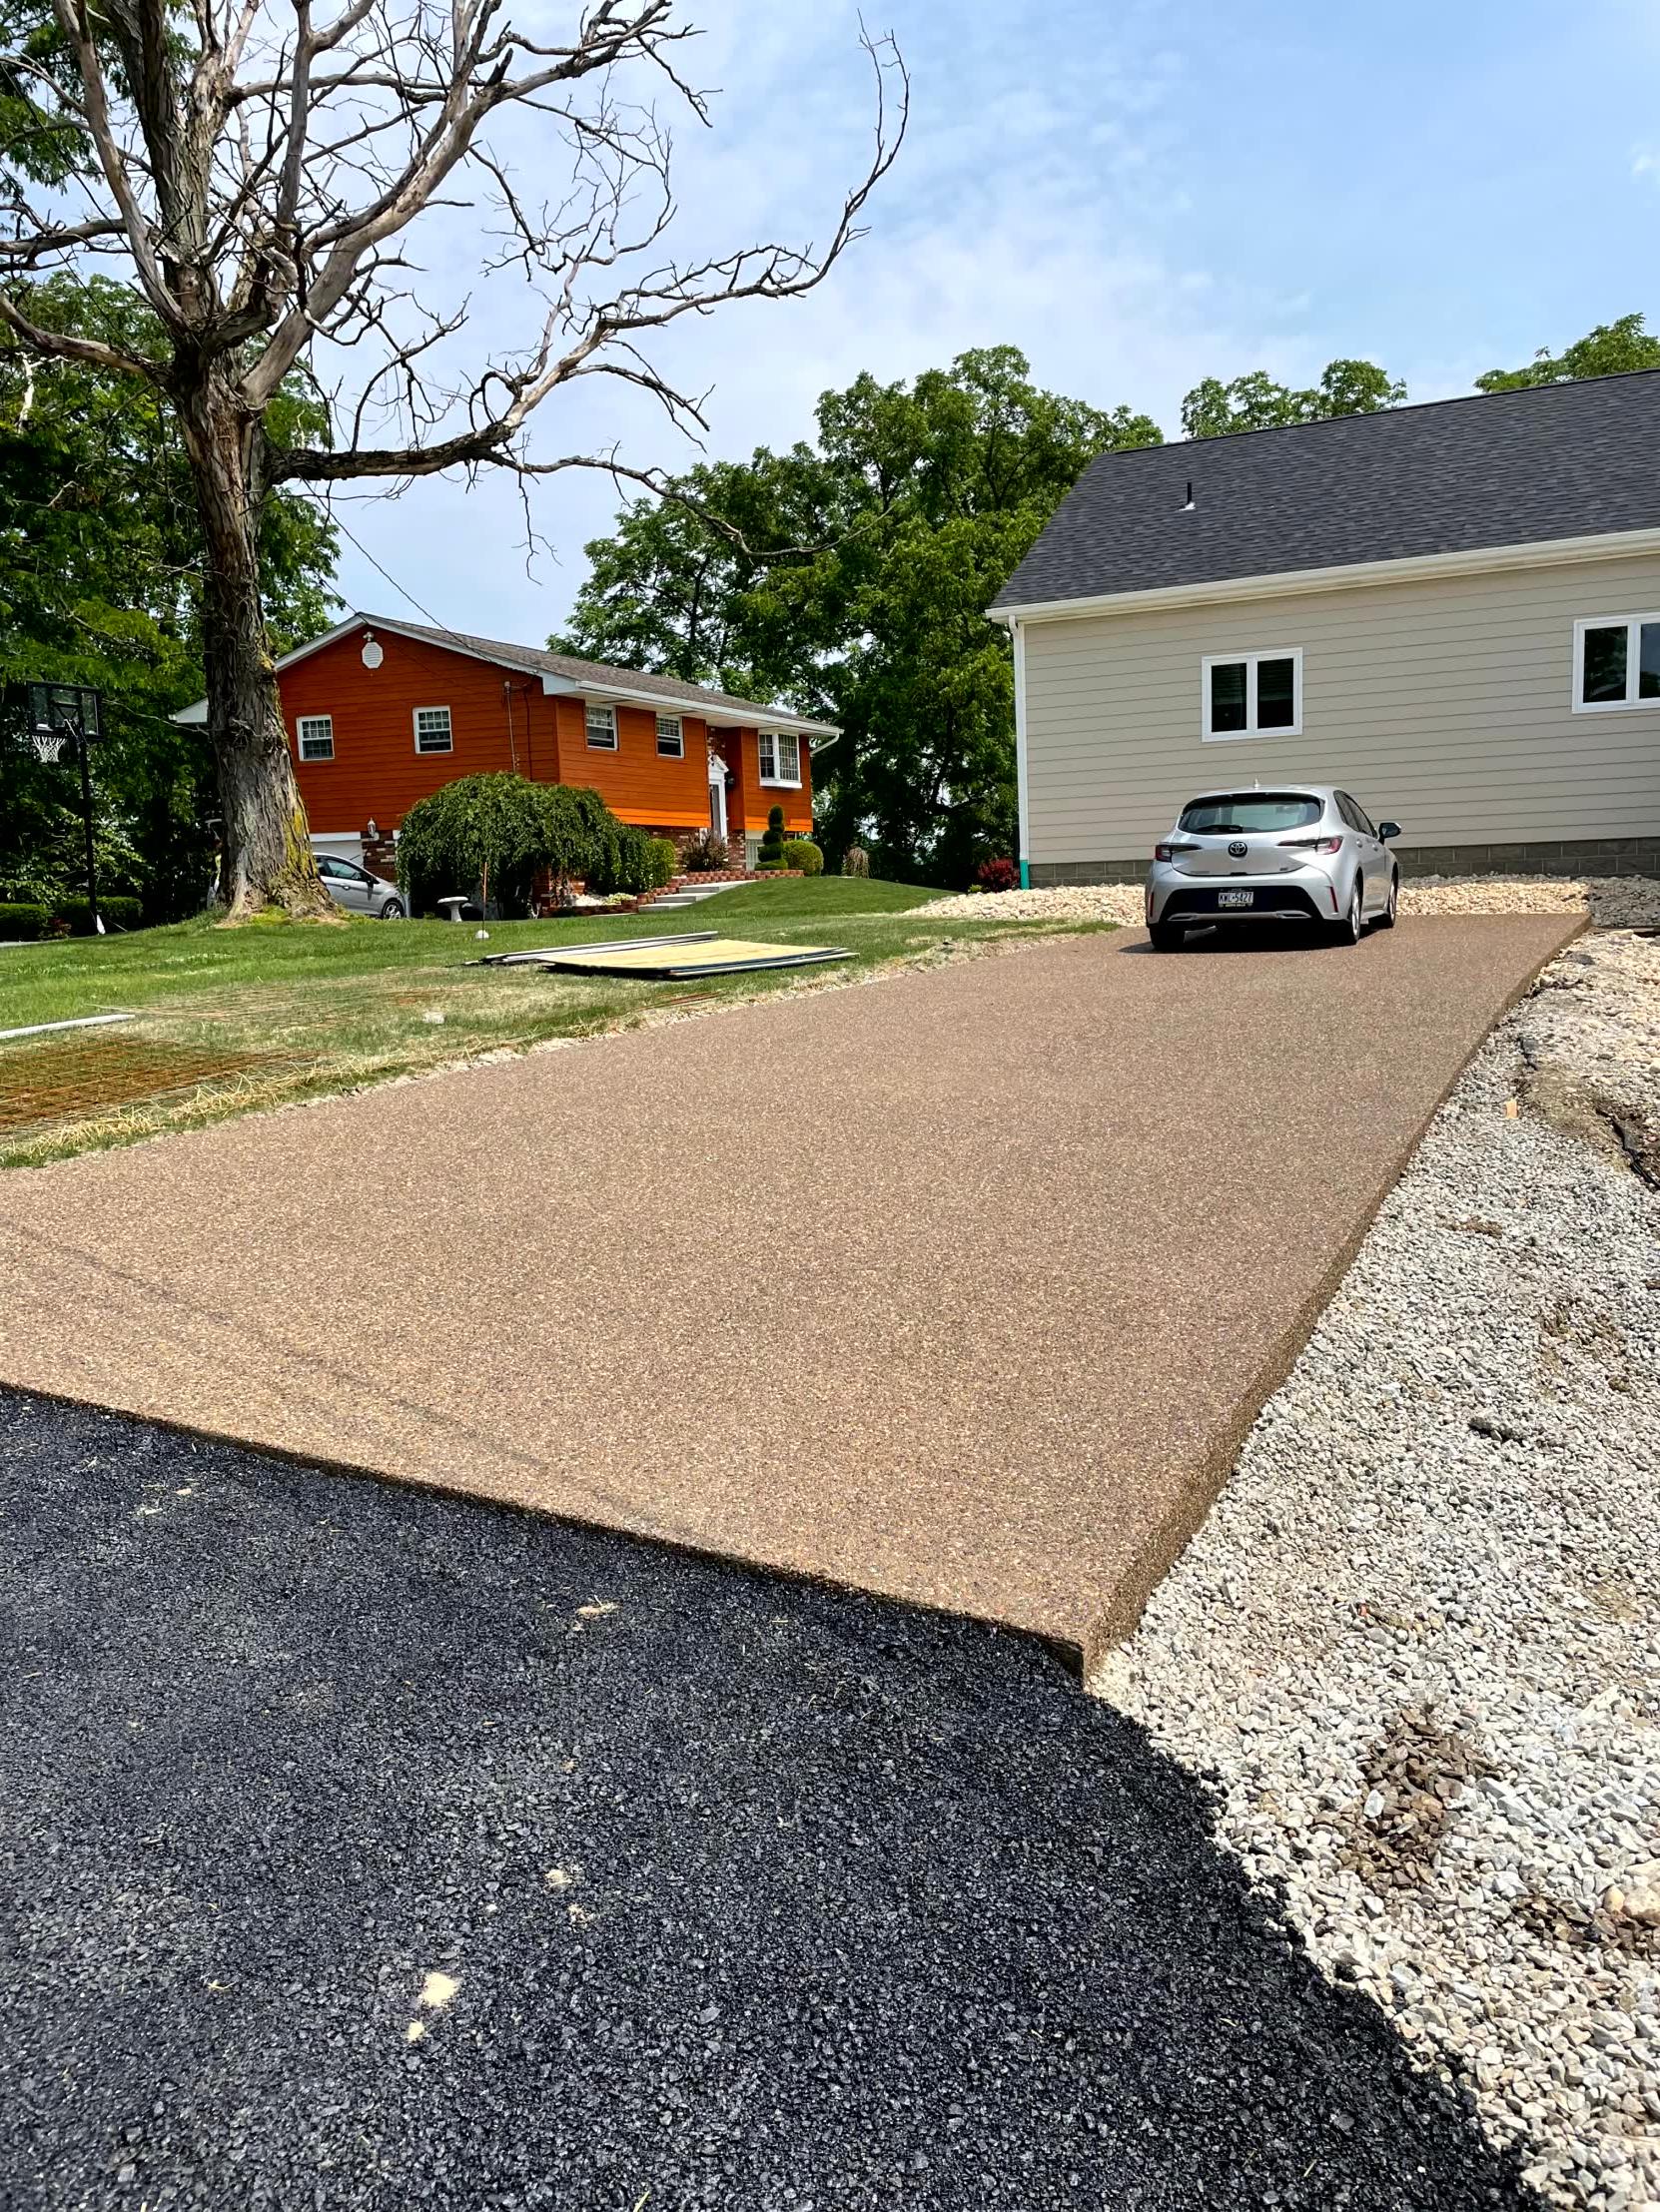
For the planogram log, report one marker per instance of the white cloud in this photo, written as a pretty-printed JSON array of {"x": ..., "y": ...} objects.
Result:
[{"x": 1646, "y": 163}]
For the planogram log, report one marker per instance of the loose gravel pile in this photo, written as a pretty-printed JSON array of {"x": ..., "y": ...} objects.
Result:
[
  {"x": 1417, "y": 1641},
  {"x": 1083, "y": 902},
  {"x": 1613, "y": 901}
]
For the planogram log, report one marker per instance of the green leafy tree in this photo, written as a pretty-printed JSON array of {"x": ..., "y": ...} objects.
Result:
[
  {"x": 1256, "y": 403},
  {"x": 1608, "y": 350},
  {"x": 849, "y": 579},
  {"x": 100, "y": 584}
]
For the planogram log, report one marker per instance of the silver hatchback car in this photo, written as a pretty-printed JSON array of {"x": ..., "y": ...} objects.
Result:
[
  {"x": 358, "y": 891},
  {"x": 1290, "y": 853}
]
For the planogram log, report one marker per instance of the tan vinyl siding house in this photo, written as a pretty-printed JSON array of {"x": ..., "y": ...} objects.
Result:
[{"x": 1443, "y": 686}]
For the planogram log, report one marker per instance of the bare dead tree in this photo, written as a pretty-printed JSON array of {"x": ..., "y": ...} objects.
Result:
[{"x": 252, "y": 172}]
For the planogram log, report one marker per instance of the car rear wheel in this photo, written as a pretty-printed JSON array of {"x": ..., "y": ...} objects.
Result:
[
  {"x": 1168, "y": 937},
  {"x": 1351, "y": 929},
  {"x": 1391, "y": 905}
]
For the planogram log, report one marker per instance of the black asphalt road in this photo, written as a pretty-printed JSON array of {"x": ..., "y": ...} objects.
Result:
[{"x": 756, "y": 1895}]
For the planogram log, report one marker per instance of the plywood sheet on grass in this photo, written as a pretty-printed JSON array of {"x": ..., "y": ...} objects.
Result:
[{"x": 700, "y": 955}]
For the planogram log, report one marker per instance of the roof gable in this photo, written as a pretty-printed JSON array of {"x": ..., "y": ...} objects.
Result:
[{"x": 1548, "y": 463}]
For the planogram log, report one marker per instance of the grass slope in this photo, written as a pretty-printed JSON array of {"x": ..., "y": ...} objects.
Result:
[
  {"x": 798, "y": 894},
  {"x": 235, "y": 1020}
]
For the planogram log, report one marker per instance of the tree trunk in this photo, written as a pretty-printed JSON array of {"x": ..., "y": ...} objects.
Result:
[{"x": 266, "y": 847}]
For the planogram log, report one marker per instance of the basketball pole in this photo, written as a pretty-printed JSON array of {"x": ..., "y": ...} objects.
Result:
[
  {"x": 83, "y": 748},
  {"x": 71, "y": 712}
]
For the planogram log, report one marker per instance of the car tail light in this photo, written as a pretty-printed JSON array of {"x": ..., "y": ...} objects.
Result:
[
  {"x": 1170, "y": 851},
  {"x": 1311, "y": 844}
]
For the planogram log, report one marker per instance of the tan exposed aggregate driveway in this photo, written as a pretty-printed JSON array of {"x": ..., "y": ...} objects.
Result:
[{"x": 962, "y": 1288}]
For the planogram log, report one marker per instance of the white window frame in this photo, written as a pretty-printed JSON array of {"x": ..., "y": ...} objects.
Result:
[
  {"x": 449, "y": 745},
  {"x": 672, "y": 728},
  {"x": 1633, "y": 625},
  {"x": 777, "y": 739},
  {"x": 310, "y": 729},
  {"x": 1251, "y": 660},
  {"x": 593, "y": 711}
]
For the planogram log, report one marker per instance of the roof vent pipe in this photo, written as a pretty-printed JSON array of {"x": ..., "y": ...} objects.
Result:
[{"x": 1189, "y": 508}]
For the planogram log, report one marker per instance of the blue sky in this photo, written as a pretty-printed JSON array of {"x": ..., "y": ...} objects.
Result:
[{"x": 1137, "y": 194}]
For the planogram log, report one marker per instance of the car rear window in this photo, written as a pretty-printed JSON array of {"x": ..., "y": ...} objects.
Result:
[{"x": 1250, "y": 810}]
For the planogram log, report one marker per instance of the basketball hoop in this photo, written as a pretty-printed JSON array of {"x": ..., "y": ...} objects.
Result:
[{"x": 60, "y": 715}]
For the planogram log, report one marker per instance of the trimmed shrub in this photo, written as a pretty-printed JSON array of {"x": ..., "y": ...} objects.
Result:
[
  {"x": 855, "y": 861},
  {"x": 706, "y": 851},
  {"x": 771, "y": 853},
  {"x": 631, "y": 861},
  {"x": 623, "y": 865},
  {"x": 22, "y": 918},
  {"x": 802, "y": 853},
  {"x": 997, "y": 875},
  {"x": 482, "y": 837},
  {"x": 579, "y": 833},
  {"x": 118, "y": 914}
]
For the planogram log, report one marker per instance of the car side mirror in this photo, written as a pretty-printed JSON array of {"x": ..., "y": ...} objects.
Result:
[{"x": 1388, "y": 829}]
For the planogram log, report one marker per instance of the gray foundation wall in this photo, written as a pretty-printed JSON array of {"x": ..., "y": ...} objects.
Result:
[{"x": 1588, "y": 856}]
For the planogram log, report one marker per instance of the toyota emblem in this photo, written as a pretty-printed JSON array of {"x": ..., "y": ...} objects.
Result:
[{"x": 1237, "y": 852}]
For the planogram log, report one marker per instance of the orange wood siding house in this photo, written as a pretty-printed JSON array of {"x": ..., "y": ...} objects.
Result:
[{"x": 380, "y": 713}]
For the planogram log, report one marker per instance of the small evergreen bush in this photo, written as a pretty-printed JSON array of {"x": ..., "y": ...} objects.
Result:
[
  {"x": 20, "y": 918},
  {"x": 771, "y": 853},
  {"x": 802, "y": 853},
  {"x": 662, "y": 859}
]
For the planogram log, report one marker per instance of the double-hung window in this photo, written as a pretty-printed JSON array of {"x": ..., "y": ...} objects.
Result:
[
  {"x": 780, "y": 758},
  {"x": 602, "y": 728},
  {"x": 316, "y": 737},
  {"x": 1252, "y": 694},
  {"x": 1616, "y": 663},
  {"x": 432, "y": 733},
  {"x": 671, "y": 738}
]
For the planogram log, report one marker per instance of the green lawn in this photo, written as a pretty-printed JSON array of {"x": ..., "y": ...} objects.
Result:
[
  {"x": 793, "y": 895},
  {"x": 235, "y": 1020}
]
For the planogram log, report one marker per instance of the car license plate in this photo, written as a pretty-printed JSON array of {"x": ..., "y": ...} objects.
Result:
[{"x": 1236, "y": 898}]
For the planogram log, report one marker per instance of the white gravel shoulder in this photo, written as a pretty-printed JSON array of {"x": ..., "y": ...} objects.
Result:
[
  {"x": 1417, "y": 1641},
  {"x": 1615, "y": 902}
]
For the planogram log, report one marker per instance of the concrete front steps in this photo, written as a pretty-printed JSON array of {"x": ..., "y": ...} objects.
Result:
[
  {"x": 685, "y": 894},
  {"x": 692, "y": 891}
]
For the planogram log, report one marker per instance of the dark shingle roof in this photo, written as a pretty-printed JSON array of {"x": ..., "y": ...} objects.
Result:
[
  {"x": 1503, "y": 469},
  {"x": 597, "y": 672}
]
